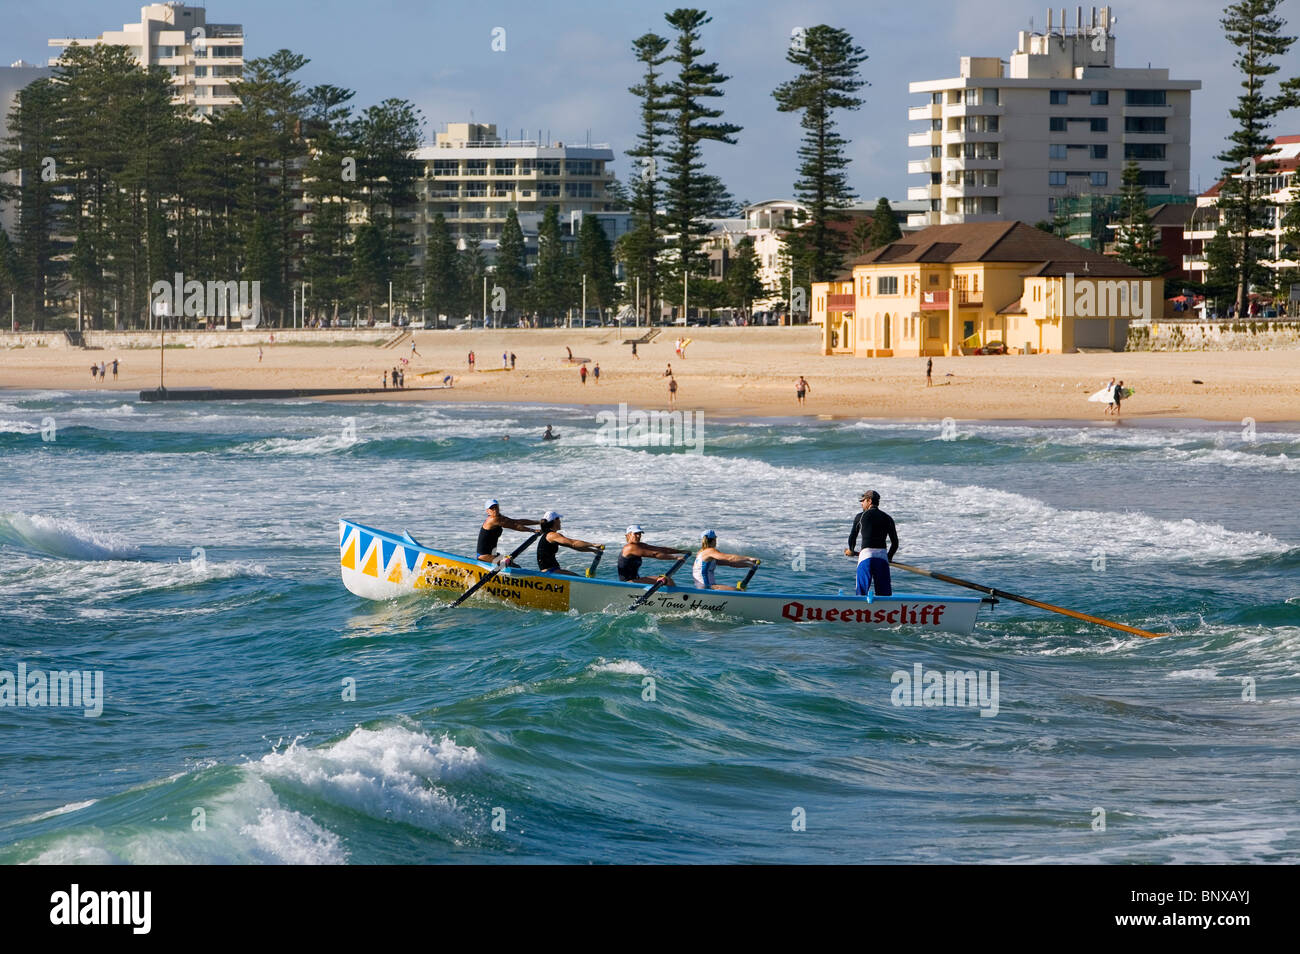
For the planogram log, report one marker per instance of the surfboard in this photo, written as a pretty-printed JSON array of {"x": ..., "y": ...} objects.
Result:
[{"x": 1107, "y": 395}]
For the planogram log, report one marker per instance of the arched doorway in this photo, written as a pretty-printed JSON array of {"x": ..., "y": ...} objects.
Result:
[{"x": 884, "y": 341}]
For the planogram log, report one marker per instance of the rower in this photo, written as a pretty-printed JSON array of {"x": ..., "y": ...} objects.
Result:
[
  {"x": 634, "y": 551},
  {"x": 551, "y": 542},
  {"x": 490, "y": 533},
  {"x": 709, "y": 556},
  {"x": 876, "y": 528}
]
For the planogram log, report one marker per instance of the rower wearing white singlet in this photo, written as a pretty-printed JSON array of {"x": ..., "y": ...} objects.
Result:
[{"x": 708, "y": 558}]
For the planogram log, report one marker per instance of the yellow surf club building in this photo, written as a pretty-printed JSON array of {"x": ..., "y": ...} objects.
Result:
[{"x": 957, "y": 289}]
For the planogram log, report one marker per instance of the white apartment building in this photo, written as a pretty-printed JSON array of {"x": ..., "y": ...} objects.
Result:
[
  {"x": 1004, "y": 140},
  {"x": 474, "y": 178},
  {"x": 1280, "y": 185},
  {"x": 13, "y": 79},
  {"x": 202, "y": 58}
]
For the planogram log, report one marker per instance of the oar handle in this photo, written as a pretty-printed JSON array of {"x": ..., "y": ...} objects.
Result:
[
  {"x": 484, "y": 580},
  {"x": 1003, "y": 594},
  {"x": 748, "y": 576},
  {"x": 591, "y": 570},
  {"x": 658, "y": 583}
]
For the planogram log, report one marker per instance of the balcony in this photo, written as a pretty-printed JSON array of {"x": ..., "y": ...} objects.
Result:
[
  {"x": 934, "y": 300},
  {"x": 931, "y": 137},
  {"x": 843, "y": 302},
  {"x": 928, "y": 111},
  {"x": 932, "y": 164},
  {"x": 969, "y": 299},
  {"x": 917, "y": 193}
]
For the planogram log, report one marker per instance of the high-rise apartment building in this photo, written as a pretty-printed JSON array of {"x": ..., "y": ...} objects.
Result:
[
  {"x": 201, "y": 57},
  {"x": 474, "y": 178},
  {"x": 13, "y": 79},
  {"x": 1007, "y": 140}
]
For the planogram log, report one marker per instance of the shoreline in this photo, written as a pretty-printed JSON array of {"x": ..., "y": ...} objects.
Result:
[{"x": 746, "y": 373}]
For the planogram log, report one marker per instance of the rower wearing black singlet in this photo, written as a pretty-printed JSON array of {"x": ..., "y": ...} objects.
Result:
[
  {"x": 490, "y": 532},
  {"x": 549, "y": 545},
  {"x": 634, "y": 551}
]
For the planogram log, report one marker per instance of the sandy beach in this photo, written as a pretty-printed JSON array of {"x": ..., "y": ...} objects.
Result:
[{"x": 728, "y": 371}]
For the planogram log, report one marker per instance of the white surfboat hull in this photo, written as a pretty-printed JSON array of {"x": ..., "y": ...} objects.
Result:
[{"x": 378, "y": 565}]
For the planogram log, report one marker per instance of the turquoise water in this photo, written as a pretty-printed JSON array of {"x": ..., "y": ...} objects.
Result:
[{"x": 189, "y": 553}]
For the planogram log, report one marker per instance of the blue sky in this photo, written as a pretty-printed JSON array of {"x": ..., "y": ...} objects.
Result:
[{"x": 567, "y": 65}]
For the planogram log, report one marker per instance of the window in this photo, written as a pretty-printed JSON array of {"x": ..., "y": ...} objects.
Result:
[
  {"x": 504, "y": 167},
  {"x": 1144, "y": 97},
  {"x": 991, "y": 96},
  {"x": 1100, "y": 152},
  {"x": 1056, "y": 124},
  {"x": 1100, "y": 97},
  {"x": 1060, "y": 97},
  {"x": 936, "y": 99},
  {"x": 887, "y": 285},
  {"x": 1099, "y": 178},
  {"x": 935, "y": 178},
  {"x": 972, "y": 97},
  {"x": 548, "y": 167},
  {"x": 475, "y": 167},
  {"x": 1144, "y": 124},
  {"x": 446, "y": 167},
  {"x": 200, "y": 71},
  {"x": 1056, "y": 151},
  {"x": 1099, "y": 125},
  {"x": 578, "y": 190},
  {"x": 936, "y": 125},
  {"x": 1150, "y": 151},
  {"x": 1149, "y": 179},
  {"x": 579, "y": 167},
  {"x": 548, "y": 189},
  {"x": 936, "y": 152},
  {"x": 1056, "y": 178}
]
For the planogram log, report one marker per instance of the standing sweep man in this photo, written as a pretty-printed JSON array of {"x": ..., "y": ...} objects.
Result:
[{"x": 876, "y": 528}]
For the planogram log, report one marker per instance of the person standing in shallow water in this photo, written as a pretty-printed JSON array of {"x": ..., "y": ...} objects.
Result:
[
  {"x": 801, "y": 390},
  {"x": 929, "y": 372}
]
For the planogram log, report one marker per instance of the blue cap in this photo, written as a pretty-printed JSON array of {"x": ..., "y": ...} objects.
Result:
[{"x": 709, "y": 535}]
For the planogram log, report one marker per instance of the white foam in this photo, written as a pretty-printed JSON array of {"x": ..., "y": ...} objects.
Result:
[
  {"x": 384, "y": 773},
  {"x": 624, "y": 666},
  {"x": 61, "y": 537}
]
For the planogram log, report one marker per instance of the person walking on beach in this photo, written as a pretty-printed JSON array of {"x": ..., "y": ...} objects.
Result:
[
  {"x": 1109, "y": 388},
  {"x": 1119, "y": 396},
  {"x": 471, "y": 360},
  {"x": 512, "y": 360},
  {"x": 929, "y": 372},
  {"x": 414, "y": 353},
  {"x": 595, "y": 373},
  {"x": 259, "y": 354},
  {"x": 385, "y": 380},
  {"x": 582, "y": 373},
  {"x": 115, "y": 369},
  {"x": 103, "y": 371},
  {"x": 570, "y": 350},
  {"x": 801, "y": 389},
  {"x": 876, "y": 528},
  {"x": 94, "y": 371},
  {"x": 505, "y": 361},
  {"x": 634, "y": 351},
  {"x": 672, "y": 392}
]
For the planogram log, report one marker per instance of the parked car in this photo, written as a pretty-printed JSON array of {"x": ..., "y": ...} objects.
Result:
[
  {"x": 418, "y": 324},
  {"x": 993, "y": 347}
]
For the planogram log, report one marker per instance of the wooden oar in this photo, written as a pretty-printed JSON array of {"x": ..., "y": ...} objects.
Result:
[
  {"x": 658, "y": 583},
  {"x": 993, "y": 591},
  {"x": 748, "y": 576},
  {"x": 591, "y": 570},
  {"x": 491, "y": 576}
]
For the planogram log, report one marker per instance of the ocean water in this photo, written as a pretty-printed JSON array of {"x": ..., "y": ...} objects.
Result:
[{"x": 255, "y": 711}]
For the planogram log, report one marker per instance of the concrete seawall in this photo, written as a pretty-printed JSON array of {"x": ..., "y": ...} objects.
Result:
[{"x": 1250, "y": 335}]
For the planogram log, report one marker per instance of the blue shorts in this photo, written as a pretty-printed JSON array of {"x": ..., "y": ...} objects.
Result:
[{"x": 874, "y": 571}]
